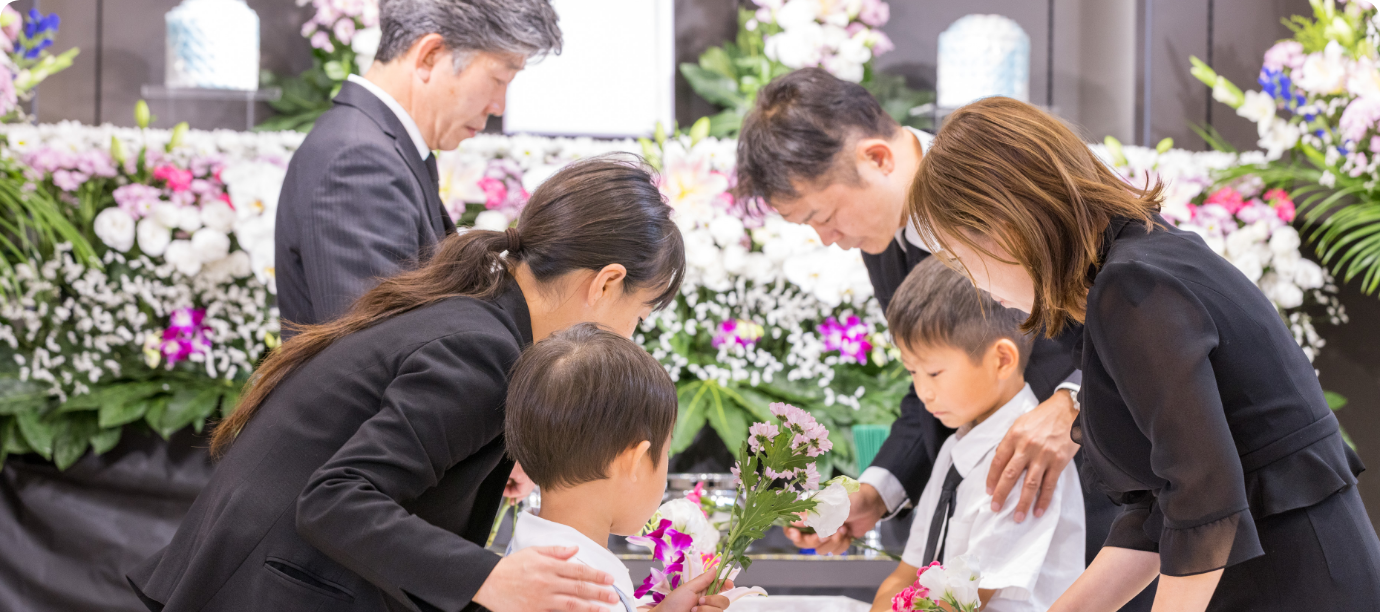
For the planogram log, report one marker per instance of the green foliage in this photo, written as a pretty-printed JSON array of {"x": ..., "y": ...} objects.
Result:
[
  {"x": 31, "y": 224},
  {"x": 308, "y": 95},
  {"x": 730, "y": 76}
]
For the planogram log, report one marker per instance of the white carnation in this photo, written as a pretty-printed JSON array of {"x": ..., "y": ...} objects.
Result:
[
  {"x": 726, "y": 230},
  {"x": 1284, "y": 240},
  {"x": 182, "y": 255},
  {"x": 1259, "y": 107},
  {"x": 1309, "y": 275},
  {"x": 153, "y": 236},
  {"x": 210, "y": 245},
  {"x": 1281, "y": 290},
  {"x": 188, "y": 219},
  {"x": 115, "y": 228},
  {"x": 167, "y": 213},
  {"x": 218, "y": 216}
]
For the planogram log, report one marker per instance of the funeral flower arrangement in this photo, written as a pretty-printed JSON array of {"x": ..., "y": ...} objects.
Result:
[
  {"x": 166, "y": 316},
  {"x": 157, "y": 304},
  {"x": 778, "y": 36},
  {"x": 1319, "y": 98},
  {"x": 1243, "y": 221},
  {"x": 777, "y": 481}
]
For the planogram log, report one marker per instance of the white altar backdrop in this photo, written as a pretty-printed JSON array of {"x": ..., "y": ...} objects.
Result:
[{"x": 615, "y": 76}]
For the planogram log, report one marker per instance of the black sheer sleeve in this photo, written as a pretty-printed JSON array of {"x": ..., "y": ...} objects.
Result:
[{"x": 1155, "y": 339}]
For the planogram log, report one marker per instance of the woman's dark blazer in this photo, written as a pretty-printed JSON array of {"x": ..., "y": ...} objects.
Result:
[{"x": 368, "y": 480}]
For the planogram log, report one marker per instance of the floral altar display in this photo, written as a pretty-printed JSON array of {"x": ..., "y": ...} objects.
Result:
[
  {"x": 171, "y": 315},
  {"x": 1319, "y": 100}
]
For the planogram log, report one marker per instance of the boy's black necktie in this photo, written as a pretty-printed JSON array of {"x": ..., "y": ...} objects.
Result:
[{"x": 948, "y": 500}]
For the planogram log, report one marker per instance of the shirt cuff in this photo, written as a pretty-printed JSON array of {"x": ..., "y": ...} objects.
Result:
[{"x": 886, "y": 484}]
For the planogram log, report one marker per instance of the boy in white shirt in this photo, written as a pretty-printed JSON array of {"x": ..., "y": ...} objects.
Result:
[
  {"x": 589, "y": 418},
  {"x": 967, "y": 356}
]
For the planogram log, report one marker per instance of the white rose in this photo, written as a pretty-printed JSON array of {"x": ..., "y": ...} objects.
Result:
[
  {"x": 831, "y": 506},
  {"x": 802, "y": 47},
  {"x": 798, "y": 13},
  {"x": 188, "y": 219},
  {"x": 239, "y": 264},
  {"x": 153, "y": 236},
  {"x": 115, "y": 228},
  {"x": 1309, "y": 275},
  {"x": 726, "y": 230},
  {"x": 1249, "y": 264},
  {"x": 218, "y": 216},
  {"x": 492, "y": 220},
  {"x": 1284, "y": 240},
  {"x": 182, "y": 255},
  {"x": 167, "y": 213},
  {"x": 1280, "y": 290},
  {"x": 1258, "y": 107},
  {"x": 210, "y": 245},
  {"x": 365, "y": 45}
]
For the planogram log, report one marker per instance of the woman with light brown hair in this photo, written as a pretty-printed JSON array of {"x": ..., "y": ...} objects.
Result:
[{"x": 1200, "y": 414}]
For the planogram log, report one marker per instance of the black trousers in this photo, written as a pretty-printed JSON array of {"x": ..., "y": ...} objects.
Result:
[{"x": 1323, "y": 558}]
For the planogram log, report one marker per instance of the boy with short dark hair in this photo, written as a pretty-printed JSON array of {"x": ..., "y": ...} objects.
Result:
[
  {"x": 589, "y": 417},
  {"x": 967, "y": 356}
]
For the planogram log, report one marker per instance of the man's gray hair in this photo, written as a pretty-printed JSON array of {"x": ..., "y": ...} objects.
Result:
[{"x": 521, "y": 27}]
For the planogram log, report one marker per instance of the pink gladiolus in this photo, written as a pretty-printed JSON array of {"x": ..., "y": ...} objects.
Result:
[
  {"x": 345, "y": 31},
  {"x": 1228, "y": 198},
  {"x": 179, "y": 180},
  {"x": 136, "y": 199},
  {"x": 68, "y": 180}
]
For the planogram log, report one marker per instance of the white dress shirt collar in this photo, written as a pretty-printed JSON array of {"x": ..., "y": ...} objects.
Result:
[
  {"x": 413, "y": 131},
  {"x": 976, "y": 442},
  {"x": 532, "y": 530}
]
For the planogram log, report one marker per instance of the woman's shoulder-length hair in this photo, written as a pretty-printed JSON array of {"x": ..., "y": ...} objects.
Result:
[{"x": 1002, "y": 173}]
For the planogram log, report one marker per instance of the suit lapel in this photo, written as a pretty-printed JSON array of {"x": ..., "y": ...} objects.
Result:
[{"x": 354, "y": 95}]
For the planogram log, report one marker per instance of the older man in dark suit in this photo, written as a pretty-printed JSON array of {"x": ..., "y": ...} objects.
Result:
[{"x": 360, "y": 201}]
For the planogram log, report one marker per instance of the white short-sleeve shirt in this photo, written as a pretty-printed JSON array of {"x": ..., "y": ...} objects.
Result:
[
  {"x": 532, "y": 530},
  {"x": 1030, "y": 564}
]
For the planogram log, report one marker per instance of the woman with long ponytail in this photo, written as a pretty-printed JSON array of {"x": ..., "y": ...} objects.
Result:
[{"x": 365, "y": 463}]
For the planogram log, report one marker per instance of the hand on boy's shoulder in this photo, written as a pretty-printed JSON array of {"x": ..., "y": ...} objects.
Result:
[{"x": 690, "y": 597}]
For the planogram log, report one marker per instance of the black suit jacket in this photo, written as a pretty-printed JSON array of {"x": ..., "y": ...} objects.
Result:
[
  {"x": 357, "y": 205},
  {"x": 368, "y": 480}
]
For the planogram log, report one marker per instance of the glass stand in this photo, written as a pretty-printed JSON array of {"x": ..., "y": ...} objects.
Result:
[{"x": 173, "y": 95}]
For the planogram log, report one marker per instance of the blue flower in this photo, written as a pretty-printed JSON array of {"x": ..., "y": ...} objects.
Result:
[
  {"x": 38, "y": 23},
  {"x": 33, "y": 52}
]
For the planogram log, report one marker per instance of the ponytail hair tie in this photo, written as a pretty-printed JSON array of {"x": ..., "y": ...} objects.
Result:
[{"x": 514, "y": 243}]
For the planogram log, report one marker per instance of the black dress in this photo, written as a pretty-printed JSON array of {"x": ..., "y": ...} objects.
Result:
[
  {"x": 368, "y": 480},
  {"x": 1205, "y": 419}
]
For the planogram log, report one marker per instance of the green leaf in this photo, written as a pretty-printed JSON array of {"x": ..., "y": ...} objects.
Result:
[
  {"x": 699, "y": 130},
  {"x": 6, "y": 431},
  {"x": 713, "y": 86},
  {"x": 691, "y": 416},
  {"x": 726, "y": 124},
  {"x": 230, "y": 400},
  {"x": 1114, "y": 149},
  {"x": 71, "y": 439},
  {"x": 106, "y": 439},
  {"x": 718, "y": 61},
  {"x": 158, "y": 406},
  {"x": 118, "y": 414},
  {"x": 18, "y": 396},
  {"x": 1335, "y": 400},
  {"x": 38, "y": 433},
  {"x": 1201, "y": 71},
  {"x": 186, "y": 406},
  {"x": 101, "y": 398},
  {"x": 728, "y": 419}
]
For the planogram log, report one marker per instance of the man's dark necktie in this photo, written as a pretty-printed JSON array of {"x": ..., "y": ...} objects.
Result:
[
  {"x": 446, "y": 223},
  {"x": 939, "y": 531}
]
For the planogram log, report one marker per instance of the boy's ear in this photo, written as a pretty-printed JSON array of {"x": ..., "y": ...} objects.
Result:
[
  {"x": 630, "y": 459},
  {"x": 1007, "y": 356}
]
